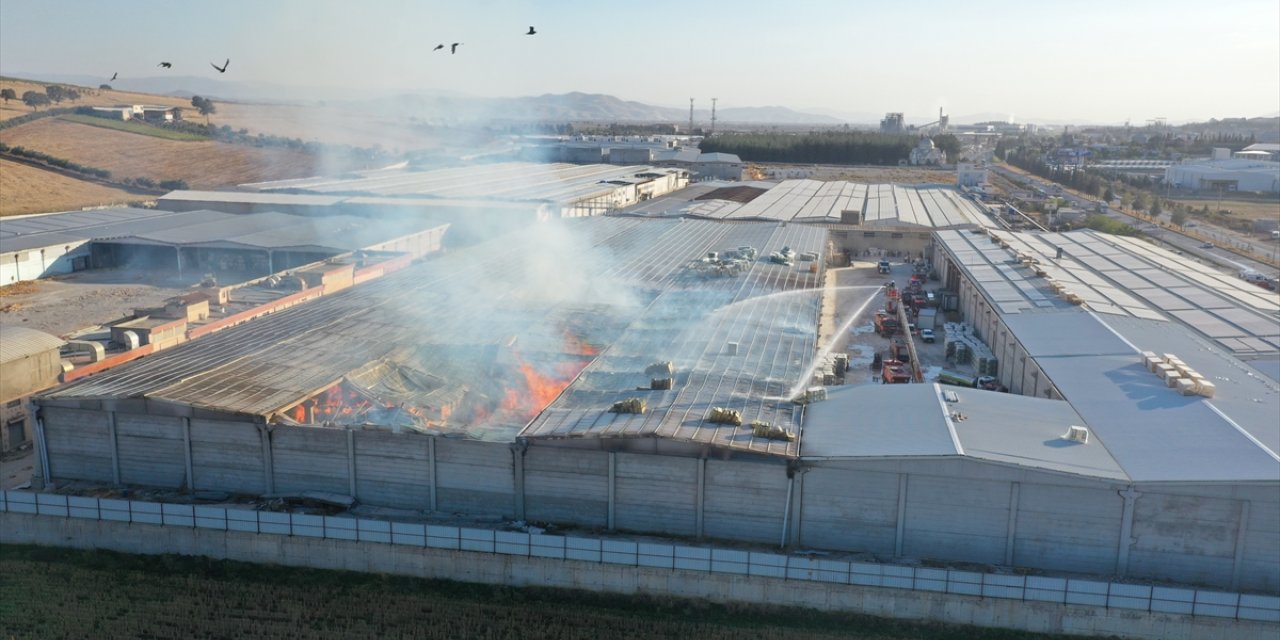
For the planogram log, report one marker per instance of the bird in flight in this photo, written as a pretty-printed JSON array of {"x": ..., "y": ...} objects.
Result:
[
  {"x": 223, "y": 68},
  {"x": 114, "y": 75},
  {"x": 453, "y": 48},
  {"x": 438, "y": 47},
  {"x": 532, "y": 32},
  {"x": 167, "y": 65}
]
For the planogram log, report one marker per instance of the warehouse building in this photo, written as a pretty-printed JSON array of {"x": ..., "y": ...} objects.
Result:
[
  {"x": 1225, "y": 173},
  {"x": 651, "y": 390},
  {"x": 189, "y": 244},
  {"x": 566, "y": 190},
  {"x": 29, "y": 363}
]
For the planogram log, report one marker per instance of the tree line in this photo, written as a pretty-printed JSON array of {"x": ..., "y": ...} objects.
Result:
[{"x": 828, "y": 147}]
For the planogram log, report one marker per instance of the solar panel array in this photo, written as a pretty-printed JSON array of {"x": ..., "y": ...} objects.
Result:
[
  {"x": 833, "y": 202},
  {"x": 1117, "y": 275}
]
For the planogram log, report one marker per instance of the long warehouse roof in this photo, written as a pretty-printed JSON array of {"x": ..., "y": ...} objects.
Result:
[
  {"x": 1115, "y": 275},
  {"x": 209, "y": 229},
  {"x": 875, "y": 206},
  {"x": 502, "y": 181},
  {"x": 1135, "y": 298},
  {"x": 635, "y": 288}
]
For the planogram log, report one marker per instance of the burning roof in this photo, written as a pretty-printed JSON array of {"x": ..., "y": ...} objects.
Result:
[{"x": 568, "y": 315}]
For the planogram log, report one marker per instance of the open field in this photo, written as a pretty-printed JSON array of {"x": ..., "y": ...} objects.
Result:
[
  {"x": 328, "y": 124},
  {"x": 89, "y": 96},
  {"x": 133, "y": 127},
  {"x": 59, "y": 593},
  {"x": 1248, "y": 209},
  {"x": 204, "y": 165},
  {"x": 25, "y": 189}
]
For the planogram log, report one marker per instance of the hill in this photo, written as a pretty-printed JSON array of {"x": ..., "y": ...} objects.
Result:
[
  {"x": 89, "y": 96},
  {"x": 203, "y": 164},
  {"x": 31, "y": 190}
]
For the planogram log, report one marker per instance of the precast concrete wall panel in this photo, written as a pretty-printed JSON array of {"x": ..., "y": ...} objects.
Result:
[
  {"x": 849, "y": 510},
  {"x": 956, "y": 519},
  {"x": 475, "y": 478},
  {"x": 227, "y": 456},
  {"x": 1261, "y": 563},
  {"x": 79, "y": 444},
  {"x": 393, "y": 469},
  {"x": 1068, "y": 528},
  {"x": 152, "y": 450},
  {"x": 1189, "y": 539},
  {"x": 744, "y": 500},
  {"x": 309, "y": 459},
  {"x": 566, "y": 486},
  {"x": 656, "y": 494}
]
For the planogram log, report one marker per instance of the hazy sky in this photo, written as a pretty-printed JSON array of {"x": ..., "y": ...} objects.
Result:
[{"x": 1082, "y": 60}]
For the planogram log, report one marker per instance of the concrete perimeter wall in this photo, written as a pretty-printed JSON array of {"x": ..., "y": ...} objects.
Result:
[
  {"x": 950, "y": 510},
  {"x": 1035, "y": 604}
]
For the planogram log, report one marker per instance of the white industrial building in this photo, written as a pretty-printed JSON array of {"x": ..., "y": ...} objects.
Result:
[
  {"x": 49, "y": 244},
  {"x": 925, "y": 153},
  {"x": 1251, "y": 170},
  {"x": 566, "y": 190},
  {"x": 393, "y": 393}
]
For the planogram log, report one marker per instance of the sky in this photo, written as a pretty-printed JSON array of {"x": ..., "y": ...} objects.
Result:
[{"x": 1079, "y": 61}]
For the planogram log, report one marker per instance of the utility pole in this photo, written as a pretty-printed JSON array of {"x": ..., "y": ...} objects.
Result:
[
  {"x": 690, "y": 116},
  {"x": 713, "y": 116}
]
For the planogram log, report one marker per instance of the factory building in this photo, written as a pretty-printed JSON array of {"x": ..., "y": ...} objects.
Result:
[
  {"x": 651, "y": 390},
  {"x": 29, "y": 363},
  {"x": 1225, "y": 173},
  {"x": 188, "y": 244},
  {"x": 562, "y": 190}
]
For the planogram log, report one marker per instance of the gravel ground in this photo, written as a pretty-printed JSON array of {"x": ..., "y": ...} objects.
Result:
[{"x": 80, "y": 300}]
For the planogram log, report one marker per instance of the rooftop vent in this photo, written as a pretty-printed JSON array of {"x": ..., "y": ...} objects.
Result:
[
  {"x": 950, "y": 396},
  {"x": 1077, "y": 434}
]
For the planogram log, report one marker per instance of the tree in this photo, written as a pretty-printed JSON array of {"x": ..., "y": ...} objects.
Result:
[
  {"x": 104, "y": 87},
  {"x": 34, "y": 100},
  {"x": 8, "y": 94},
  {"x": 204, "y": 105},
  {"x": 1178, "y": 217},
  {"x": 1139, "y": 202},
  {"x": 72, "y": 94},
  {"x": 1156, "y": 210},
  {"x": 1108, "y": 195},
  {"x": 56, "y": 93}
]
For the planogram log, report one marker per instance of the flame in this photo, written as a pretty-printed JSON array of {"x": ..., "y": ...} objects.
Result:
[{"x": 540, "y": 388}]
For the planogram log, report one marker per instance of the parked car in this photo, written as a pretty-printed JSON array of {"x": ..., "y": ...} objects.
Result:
[
  {"x": 926, "y": 335},
  {"x": 1206, "y": 245}
]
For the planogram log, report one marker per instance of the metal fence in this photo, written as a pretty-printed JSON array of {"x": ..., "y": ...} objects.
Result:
[{"x": 1115, "y": 595}]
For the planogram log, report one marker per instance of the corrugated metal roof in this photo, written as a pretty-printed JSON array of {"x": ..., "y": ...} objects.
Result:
[
  {"x": 912, "y": 420},
  {"x": 875, "y": 421},
  {"x": 525, "y": 181},
  {"x": 1118, "y": 276},
  {"x": 444, "y": 315},
  {"x": 20, "y": 342},
  {"x": 25, "y": 233}
]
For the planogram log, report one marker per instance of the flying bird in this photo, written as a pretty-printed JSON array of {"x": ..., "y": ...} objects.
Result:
[
  {"x": 453, "y": 48},
  {"x": 532, "y": 32},
  {"x": 223, "y": 68},
  {"x": 438, "y": 47},
  {"x": 167, "y": 65},
  {"x": 114, "y": 75}
]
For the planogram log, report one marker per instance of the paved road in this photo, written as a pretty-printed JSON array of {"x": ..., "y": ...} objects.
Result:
[{"x": 1181, "y": 242}]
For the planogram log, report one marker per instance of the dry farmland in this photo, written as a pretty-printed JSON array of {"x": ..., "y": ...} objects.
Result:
[
  {"x": 203, "y": 164},
  {"x": 26, "y": 189},
  {"x": 60, "y": 593},
  {"x": 89, "y": 96}
]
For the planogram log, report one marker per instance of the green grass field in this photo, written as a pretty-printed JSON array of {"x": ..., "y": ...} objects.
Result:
[
  {"x": 48, "y": 592},
  {"x": 133, "y": 127}
]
